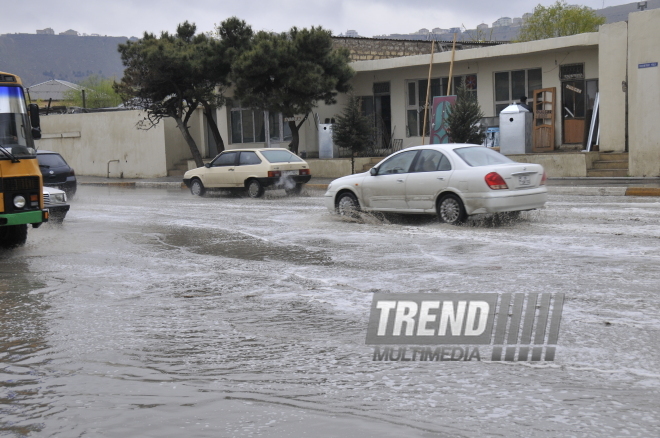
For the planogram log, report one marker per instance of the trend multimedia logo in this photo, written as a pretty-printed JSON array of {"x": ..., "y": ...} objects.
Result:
[{"x": 451, "y": 327}]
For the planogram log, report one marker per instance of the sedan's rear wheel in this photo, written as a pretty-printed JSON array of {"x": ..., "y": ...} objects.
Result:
[
  {"x": 197, "y": 188},
  {"x": 254, "y": 189},
  {"x": 450, "y": 210},
  {"x": 348, "y": 205}
]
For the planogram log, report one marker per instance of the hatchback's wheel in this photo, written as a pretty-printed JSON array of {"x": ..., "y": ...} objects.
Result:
[
  {"x": 254, "y": 189},
  {"x": 348, "y": 205},
  {"x": 197, "y": 188},
  {"x": 450, "y": 210},
  {"x": 294, "y": 190}
]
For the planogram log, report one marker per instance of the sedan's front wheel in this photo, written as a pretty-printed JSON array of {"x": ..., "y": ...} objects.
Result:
[
  {"x": 450, "y": 210},
  {"x": 197, "y": 188},
  {"x": 348, "y": 205},
  {"x": 254, "y": 189}
]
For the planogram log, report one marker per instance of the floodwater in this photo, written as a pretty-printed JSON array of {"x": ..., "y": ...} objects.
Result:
[{"x": 154, "y": 313}]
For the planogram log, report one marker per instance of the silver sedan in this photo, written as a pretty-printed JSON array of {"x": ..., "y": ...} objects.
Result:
[{"x": 450, "y": 180}]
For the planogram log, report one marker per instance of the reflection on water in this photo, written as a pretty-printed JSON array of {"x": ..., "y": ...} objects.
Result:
[{"x": 23, "y": 348}]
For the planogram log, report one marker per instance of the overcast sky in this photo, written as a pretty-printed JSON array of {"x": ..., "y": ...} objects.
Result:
[{"x": 368, "y": 17}]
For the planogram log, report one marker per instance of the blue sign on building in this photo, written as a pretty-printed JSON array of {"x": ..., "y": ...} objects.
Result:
[{"x": 647, "y": 65}]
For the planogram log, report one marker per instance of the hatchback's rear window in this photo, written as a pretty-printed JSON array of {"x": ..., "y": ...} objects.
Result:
[
  {"x": 481, "y": 156},
  {"x": 280, "y": 156},
  {"x": 51, "y": 160}
]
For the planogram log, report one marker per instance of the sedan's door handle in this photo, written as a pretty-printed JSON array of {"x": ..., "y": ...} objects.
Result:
[
  {"x": 441, "y": 178},
  {"x": 230, "y": 170},
  {"x": 399, "y": 180}
]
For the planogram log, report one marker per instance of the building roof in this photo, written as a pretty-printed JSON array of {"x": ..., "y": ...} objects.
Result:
[
  {"x": 583, "y": 40},
  {"x": 53, "y": 89}
]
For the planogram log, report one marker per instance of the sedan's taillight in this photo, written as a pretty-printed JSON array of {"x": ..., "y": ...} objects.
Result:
[
  {"x": 72, "y": 173},
  {"x": 543, "y": 178},
  {"x": 274, "y": 174},
  {"x": 304, "y": 172},
  {"x": 495, "y": 181}
]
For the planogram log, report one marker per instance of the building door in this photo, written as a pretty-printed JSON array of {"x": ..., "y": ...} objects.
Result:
[
  {"x": 573, "y": 92},
  {"x": 383, "y": 114},
  {"x": 543, "y": 128}
]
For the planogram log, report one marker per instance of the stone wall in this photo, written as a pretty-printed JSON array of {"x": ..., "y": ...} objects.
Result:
[{"x": 366, "y": 49}]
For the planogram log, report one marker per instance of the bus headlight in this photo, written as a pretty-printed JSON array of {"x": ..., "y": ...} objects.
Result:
[{"x": 19, "y": 201}]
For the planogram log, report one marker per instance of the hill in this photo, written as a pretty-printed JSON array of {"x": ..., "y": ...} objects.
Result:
[{"x": 38, "y": 58}]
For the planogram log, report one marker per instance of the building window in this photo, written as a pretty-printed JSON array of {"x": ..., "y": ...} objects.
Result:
[
  {"x": 416, "y": 98},
  {"x": 510, "y": 86},
  {"x": 248, "y": 126}
]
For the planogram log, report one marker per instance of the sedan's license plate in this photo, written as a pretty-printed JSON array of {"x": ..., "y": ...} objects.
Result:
[
  {"x": 289, "y": 172},
  {"x": 524, "y": 180}
]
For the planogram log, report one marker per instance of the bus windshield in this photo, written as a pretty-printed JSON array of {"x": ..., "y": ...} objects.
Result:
[{"x": 14, "y": 123}]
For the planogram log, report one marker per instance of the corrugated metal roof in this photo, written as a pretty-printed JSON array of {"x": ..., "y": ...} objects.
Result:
[{"x": 53, "y": 89}]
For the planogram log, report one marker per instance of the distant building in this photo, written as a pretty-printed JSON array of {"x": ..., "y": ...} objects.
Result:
[
  {"x": 422, "y": 31},
  {"x": 46, "y": 31},
  {"x": 482, "y": 26},
  {"x": 54, "y": 89},
  {"x": 69, "y": 32},
  {"x": 352, "y": 33},
  {"x": 504, "y": 21},
  {"x": 438, "y": 31},
  {"x": 526, "y": 16},
  {"x": 454, "y": 30},
  {"x": 517, "y": 21}
]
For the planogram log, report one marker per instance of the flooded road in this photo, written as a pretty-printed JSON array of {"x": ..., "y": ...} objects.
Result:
[{"x": 153, "y": 313}]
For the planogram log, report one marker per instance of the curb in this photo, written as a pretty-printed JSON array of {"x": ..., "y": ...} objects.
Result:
[
  {"x": 643, "y": 191},
  {"x": 588, "y": 191},
  {"x": 553, "y": 190}
]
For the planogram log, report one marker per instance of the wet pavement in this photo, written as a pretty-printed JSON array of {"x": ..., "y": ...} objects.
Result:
[{"x": 151, "y": 312}]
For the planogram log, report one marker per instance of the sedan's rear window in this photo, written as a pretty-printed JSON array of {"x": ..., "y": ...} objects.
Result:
[
  {"x": 481, "y": 156},
  {"x": 280, "y": 156},
  {"x": 51, "y": 160}
]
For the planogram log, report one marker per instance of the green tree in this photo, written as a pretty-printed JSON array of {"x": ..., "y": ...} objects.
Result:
[
  {"x": 463, "y": 119},
  {"x": 559, "y": 20},
  {"x": 352, "y": 130},
  {"x": 233, "y": 36},
  {"x": 173, "y": 75},
  {"x": 290, "y": 72},
  {"x": 99, "y": 93}
]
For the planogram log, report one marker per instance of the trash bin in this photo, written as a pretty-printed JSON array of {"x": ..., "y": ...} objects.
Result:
[
  {"x": 515, "y": 130},
  {"x": 327, "y": 147}
]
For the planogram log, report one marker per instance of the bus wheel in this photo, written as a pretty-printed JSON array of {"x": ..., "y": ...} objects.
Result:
[{"x": 12, "y": 236}]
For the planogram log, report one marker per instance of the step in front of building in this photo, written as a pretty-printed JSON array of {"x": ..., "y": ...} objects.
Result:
[
  {"x": 610, "y": 164},
  {"x": 613, "y": 156}
]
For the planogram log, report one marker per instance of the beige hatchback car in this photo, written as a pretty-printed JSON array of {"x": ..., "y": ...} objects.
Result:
[{"x": 251, "y": 169}]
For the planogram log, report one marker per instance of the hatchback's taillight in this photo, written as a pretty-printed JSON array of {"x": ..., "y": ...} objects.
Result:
[
  {"x": 543, "y": 178},
  {"x": 274, "y": 174},
  {"x": 72, "y": 173},
  {"x": 495, "y": 181},
  {"x": 303, "y": 172}
]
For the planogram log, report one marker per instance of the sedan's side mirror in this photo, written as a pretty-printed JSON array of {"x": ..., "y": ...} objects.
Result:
[
  {"x": 374, "y": 171},
  {"x": 208, "y": 165}
]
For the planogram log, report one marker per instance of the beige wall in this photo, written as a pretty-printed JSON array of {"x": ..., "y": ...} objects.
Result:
[
  {"x": 91, "y": 140},
  {"x": 560, "y": 165},
  {"x": 613, "y": 47},
  {"x": 335, "y": 168},
  {"x": 176, "y": 148},
  {"x": 644, "y": 93}
]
